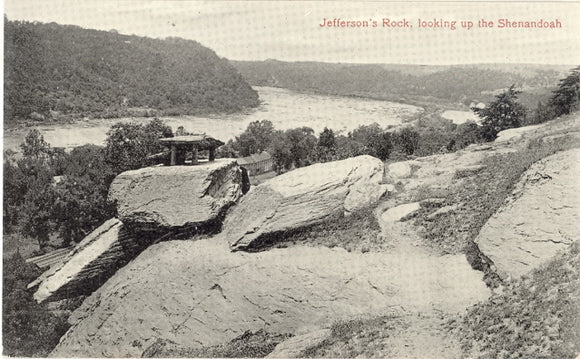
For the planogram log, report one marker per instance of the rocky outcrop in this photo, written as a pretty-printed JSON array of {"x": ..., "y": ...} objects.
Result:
[
  {"x": 199, "y": 293},
  {"x": 172, "y": 201},
  {"x": 397, "y": 213},
  {"x": 94, "y": 260},
  {"x": 399, "y": 170},
  {"x": 514, "y": 134},
  {"x": 156, "y": 198},
  {"x": 303, "y": 197},
  {"x": 540, "y": 219}
]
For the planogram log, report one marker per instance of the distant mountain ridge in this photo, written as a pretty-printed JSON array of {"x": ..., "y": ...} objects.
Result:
[
  {"x": 53, "y": 71},
  {"x": 454, "y": 83}
]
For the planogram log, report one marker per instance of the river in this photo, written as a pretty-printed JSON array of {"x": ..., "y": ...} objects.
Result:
[{"x": 286, "y": 109}]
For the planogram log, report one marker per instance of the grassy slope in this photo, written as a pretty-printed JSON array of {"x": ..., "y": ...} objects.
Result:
[
  {"x": 480, "y": 196},
  {"x": 537, "y": 316}
]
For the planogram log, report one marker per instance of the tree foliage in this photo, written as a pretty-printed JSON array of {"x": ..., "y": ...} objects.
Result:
[
  {"x": 28, "y": 328},
  {"x": 504, "y": 113},
  {"x": 54, "y": 71},
  {"x": 567, "y": 97},
  {"x": 256, "y": 138},
  {"x": 375, "y": 141},
  {"x": 128, "y": 144}
]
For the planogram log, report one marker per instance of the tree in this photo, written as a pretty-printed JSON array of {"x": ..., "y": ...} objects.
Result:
[
  {"x": 505, "y": 112},
  {"x": 280, "y": 150},
  {"x": 567, "y": 97},
  {"x": 35, "y": 146},
  {"x": 36, "y": 211},
  {"x": 327, "y": 139},
  {"x": 81, "y": 203},
  {"x": 375, "y": 140},
  {"x": 407, "y": 140},
  {"x": 465, "y": 134},
  {"x": 302, "y": 143},
  {"x": 129, "y": 144},
  {"x": 79, "y": 206},
  {"x": 256, "y": 138}
]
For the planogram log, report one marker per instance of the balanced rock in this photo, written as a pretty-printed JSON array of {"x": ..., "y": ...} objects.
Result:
[
  {"x": 95, "y": 259},
  {"x": 540, "y": 219},
  {"x": 177, "y": 196},
  {"x": 304, "y": 197}
]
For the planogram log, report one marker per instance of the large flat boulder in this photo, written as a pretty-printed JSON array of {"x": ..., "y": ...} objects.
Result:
[
  {"x": 94, "y": 260},
  {"x": 159, "y": 198},
  {"x": 540, "y": 219},
  {"x": 199, "y": 294},
  {"x": 303, "y": 197}
]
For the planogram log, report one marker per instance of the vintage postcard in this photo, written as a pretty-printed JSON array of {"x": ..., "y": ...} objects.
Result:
[{"x": 291, "y": 179}]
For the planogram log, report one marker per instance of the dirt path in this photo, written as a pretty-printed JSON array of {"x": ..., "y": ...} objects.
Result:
[{"x": 420, "y": 334}]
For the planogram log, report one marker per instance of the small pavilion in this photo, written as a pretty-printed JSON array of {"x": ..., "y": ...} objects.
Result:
[{"x": 180, "y": 145}]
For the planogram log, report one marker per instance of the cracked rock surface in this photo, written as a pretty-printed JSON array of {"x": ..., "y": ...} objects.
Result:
[
  {"x": 176, "y": 196},
  {"x": 539, "y": 219},
  {"x": 304, "y": 197},
  {"x": 199, "y": 293},
  {"x": 89, "y": 264}
]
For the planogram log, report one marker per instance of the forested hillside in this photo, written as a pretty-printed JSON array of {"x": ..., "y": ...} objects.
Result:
[
  {"x": 457, "y": 84},
  {"x": 56, "y": 71}
]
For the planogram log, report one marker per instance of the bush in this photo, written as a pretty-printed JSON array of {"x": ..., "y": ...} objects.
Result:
[{"x": 29, "y": 329}]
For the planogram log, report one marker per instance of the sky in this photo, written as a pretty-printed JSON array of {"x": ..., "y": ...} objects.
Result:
[{"x": 291, "y": 31}]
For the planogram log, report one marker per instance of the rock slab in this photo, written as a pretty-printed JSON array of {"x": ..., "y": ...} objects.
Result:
[
  {"x": 95, "y": 259},
  {"x": 177, "y": 196},
  {"x": 199, "y": 293},
  {"x": 303, "y": 197},
  {"x": 540, "y": 219}
]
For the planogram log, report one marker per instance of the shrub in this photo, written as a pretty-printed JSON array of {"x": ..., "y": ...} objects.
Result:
[{"x": 29, "y": 329}]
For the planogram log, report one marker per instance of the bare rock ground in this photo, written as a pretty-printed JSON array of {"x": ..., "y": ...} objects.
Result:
[
  {"x": 201, "y": 294},
  {"x": 539, "y": 219}
]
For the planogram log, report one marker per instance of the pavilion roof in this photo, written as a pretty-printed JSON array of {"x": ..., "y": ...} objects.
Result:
[{"x": 202, "y": 140}]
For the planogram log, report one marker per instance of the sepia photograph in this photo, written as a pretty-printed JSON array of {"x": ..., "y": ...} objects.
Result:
[{"x": 291, "y": 179}]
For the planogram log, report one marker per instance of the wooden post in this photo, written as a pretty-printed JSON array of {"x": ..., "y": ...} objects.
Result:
[
  {"x": 194, "y": 155},
  {"x": 212, "y": 154},
  {"x": 173, "y": 155}
]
